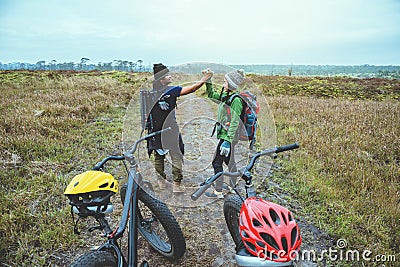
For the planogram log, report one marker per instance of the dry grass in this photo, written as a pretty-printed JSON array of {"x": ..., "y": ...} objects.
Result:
[
  {"x": 347, "y": 170},
  {"x": 54, "y": 124},
  {"x": 50, "y": 124}
]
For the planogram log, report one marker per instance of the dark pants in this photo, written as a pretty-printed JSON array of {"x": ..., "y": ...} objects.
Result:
[
  {"x": 176, "y": 158},
  {"x": 220, "y": 160}
]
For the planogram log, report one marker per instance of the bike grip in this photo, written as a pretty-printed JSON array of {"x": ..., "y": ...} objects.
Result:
[
  {"x": 287, "y": 147},
  {"x": 199, "y": 192}
]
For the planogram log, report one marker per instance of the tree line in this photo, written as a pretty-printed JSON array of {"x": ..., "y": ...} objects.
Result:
[
  {"x": 358, "y": 71},
  {"x": 83, "y": 65}
]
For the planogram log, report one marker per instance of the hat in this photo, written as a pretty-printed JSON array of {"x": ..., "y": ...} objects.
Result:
[
  {"x": 159, "y": 71},
  {"x": 234, "y": 78}
]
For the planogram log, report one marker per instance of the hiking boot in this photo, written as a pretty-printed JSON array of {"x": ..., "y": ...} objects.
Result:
[
  {"x": 162, "y": 184},
  {"x": 214, "y": 194},
  {"x": 177, "y": 188}
]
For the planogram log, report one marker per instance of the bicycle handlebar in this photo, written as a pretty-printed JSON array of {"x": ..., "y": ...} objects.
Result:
[
  {"x": 207, "y": 183},
  {"x": 145, "y": 138},
  {"x": 99, "y": 165}
]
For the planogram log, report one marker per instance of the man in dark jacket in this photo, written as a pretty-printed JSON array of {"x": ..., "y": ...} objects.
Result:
[{"x": 163, "y": 116}]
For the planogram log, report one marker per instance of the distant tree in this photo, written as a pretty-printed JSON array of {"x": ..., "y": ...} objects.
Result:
[
  {"x": 140, "y": 64},
  {"x": 116, "y": 64},
  {"x": 131, "y": 65},
  {"x": 99, "y": 66},
  {"x": 82, "y": 64},
  {"x": 70, "y": 65},
  {"x": 41, "y": 65},
  {"x": 105, "y": 66},
  {"x": 125, "y": 65},
  {"x": 53, "y": 64}
]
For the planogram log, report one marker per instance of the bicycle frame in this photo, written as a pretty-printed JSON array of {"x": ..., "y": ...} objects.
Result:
[
  {"x": 130, "y": 207},
  {"x": 130, "y": 210}
]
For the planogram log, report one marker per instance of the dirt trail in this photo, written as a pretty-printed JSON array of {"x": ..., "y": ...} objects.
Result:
[{"x": 208, "y": 240}]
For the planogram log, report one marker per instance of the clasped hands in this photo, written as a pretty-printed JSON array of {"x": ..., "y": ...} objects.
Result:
[{"x": 207, "y": 74}]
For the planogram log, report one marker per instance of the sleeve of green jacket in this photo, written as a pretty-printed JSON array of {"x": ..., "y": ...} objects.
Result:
[
  {"x": 236, "y": 110},
  {"x": 211, "y": 93}
]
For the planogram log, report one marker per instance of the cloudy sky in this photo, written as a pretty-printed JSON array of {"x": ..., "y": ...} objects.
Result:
[{"x": 318, "y": 32}]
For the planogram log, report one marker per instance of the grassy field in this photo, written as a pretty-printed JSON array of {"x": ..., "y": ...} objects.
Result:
[
  {"x": 56, "y": 124},
  {"x": 347, "y": 171}
]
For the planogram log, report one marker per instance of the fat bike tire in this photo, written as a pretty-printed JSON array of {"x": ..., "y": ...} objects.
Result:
[
  {"x": 159, "y": 227},
  {"x": 99, "y": 258},
  {"x": 232, "y": 206}
]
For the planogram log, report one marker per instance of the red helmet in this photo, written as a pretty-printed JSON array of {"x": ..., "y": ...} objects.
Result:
[{"x": 268, "y": 230}]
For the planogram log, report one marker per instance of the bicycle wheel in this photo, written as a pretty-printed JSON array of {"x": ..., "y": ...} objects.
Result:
[
  {"x": 232, "y": 205},
  {"x": 98, "y": 258},
  {"x": 159, "y": 227}
]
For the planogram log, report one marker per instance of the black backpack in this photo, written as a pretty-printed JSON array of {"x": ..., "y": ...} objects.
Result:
[{"x": 147, "y": 100}]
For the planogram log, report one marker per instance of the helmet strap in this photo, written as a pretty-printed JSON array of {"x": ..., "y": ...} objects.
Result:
[{"x": 76, "y": 231}]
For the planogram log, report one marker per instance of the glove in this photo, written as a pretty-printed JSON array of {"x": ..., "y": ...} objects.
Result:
[
  {"x": 225, "y": 148},
  {"x": 163, "y": 105},
  {"x": 207, "y": 71}
]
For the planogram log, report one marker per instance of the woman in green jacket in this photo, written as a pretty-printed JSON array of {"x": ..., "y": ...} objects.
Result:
[{"x": 229, "y": 110}]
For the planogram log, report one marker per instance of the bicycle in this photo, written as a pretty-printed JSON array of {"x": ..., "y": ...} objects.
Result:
[
  {"x": 261, "y": 239},
  {"x": 89, "y": 195}
]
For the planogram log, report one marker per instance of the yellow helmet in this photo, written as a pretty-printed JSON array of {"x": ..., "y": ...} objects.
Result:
[
  {"x": 91, "y": 188},
  {"x": 91, "y": 181}
]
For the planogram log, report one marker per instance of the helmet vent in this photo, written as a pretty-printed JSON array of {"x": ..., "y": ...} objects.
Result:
[
  {"x": 260, "y": 244},
  {"x": 293, "y": 235},
  {"x": 251, "y": 246},
  {"x": 269, "y": 240},
  {"x": 284, "y": 244},
  {"x": 284, "y": 218},
  {"x": 266, "y": 221},
  {"x": 103, "y": 185},
  {"x": 256, "y": 223},
  {"x": 290, "y": 217},
  {"x": 274, "y": 217},
  {"x": 244, "y": 234}
]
